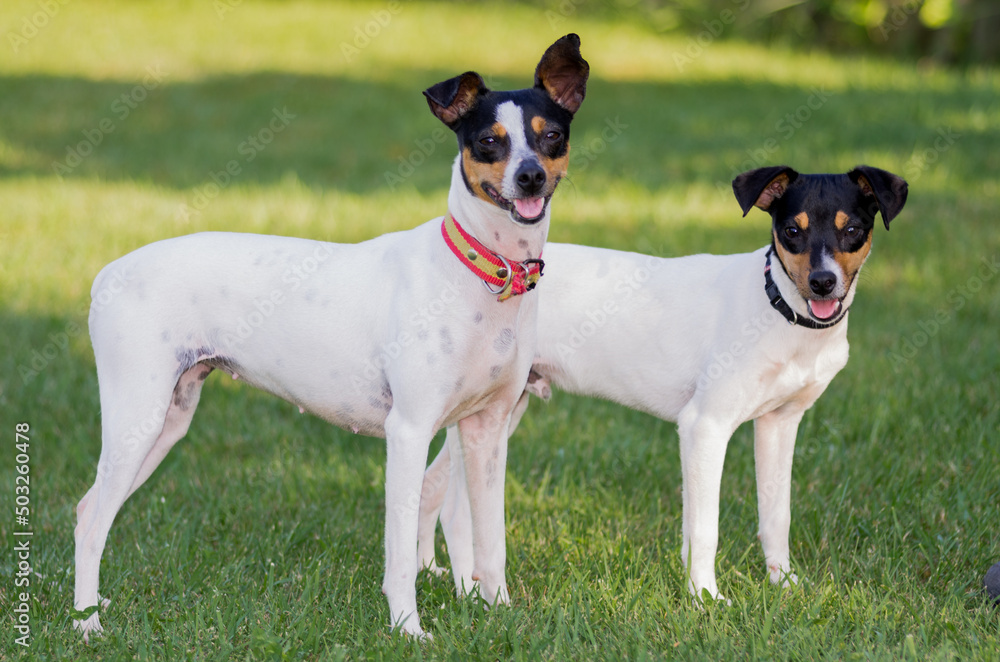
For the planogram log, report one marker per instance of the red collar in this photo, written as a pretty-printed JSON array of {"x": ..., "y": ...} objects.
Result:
[{"x": 501, "y": 276}]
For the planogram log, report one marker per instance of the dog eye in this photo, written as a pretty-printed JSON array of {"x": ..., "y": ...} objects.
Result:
[
  {"x": 792, "y": 232},
  {"x": 852, "y": 231},
  {"x": 488, "y": 141},
  {"x": 553, "y": 135}
]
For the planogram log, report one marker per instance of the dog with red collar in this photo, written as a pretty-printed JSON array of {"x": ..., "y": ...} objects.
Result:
[
  {"x": 707, "y": 341},
  {"x": 394, "y": 337}
]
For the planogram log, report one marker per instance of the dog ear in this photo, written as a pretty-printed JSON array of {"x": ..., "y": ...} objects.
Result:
[
  {"x": 452, "y": 99},
  {"x": 562, "y": 73},
  {"x": 762, "y": 186},
  {"x": 888, "y": 190}
]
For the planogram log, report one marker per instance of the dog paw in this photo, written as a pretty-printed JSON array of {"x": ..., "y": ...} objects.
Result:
[
  {"x": 434, "y": 569},
  {"x": 782, "y": 577},
  {"x": 502, "y": 596},
  {"x": 707, "y": 597},
  {"x": 466, "y": 587},
  {"x": 415, "y": 631},
  {"x": 90, "y": 626},
  {"x": 790, "y": 580}
]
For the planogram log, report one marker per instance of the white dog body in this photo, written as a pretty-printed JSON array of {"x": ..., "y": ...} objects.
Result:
[
  {"x": 700, "y": 340},
  {"x": 394, "y": 337},
  {"x": 618, "y": 326},
  {"x": 663, "y": 345}
]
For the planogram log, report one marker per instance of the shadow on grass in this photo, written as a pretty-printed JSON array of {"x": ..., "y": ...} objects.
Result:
[{"x": 366, "y": 136}]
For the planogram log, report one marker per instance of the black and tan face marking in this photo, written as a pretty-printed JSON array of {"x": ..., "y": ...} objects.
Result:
[
  {"x": 822, "y": 225},
  {"x": 823, "y": 252},
  {"x": 515, "y": 145},
  {"x": 515, "y": 154}
]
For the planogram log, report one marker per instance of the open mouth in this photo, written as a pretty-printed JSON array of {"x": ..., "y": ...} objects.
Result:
[
  {"x": 522, "y": 210},
  {"x": 825, "y": 309}
]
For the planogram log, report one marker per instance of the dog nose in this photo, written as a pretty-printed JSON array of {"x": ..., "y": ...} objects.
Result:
[
  {"x": 822, "y": 282},
  {"x": 530, "y": 177}
]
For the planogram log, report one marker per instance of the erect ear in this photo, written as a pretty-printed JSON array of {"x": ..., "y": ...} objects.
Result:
[
  {"x": 886, "y": 189},
  {"x": 762, "y": 186},
  {"x": 562, "y": 73},
  {"x": 452, "y": 99}
]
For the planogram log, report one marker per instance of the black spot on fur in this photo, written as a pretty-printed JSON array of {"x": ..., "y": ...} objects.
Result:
[
  {"x": 184, "y": 396},
  {"x": 447, "y": 346},
  {"x": 188, "y": 357},
  {"x": 504, "y": 341}
]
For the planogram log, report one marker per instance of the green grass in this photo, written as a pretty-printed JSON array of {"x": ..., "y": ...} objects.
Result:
[{"x": 260, "y": 536}]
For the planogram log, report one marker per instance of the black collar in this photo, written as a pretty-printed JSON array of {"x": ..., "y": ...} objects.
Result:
[{"x": 779, "y": 304}]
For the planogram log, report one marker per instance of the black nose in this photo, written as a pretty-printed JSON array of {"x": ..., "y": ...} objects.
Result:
[
  {"x": 822, "y": 282},
  {"x": 530, "y": 178}
]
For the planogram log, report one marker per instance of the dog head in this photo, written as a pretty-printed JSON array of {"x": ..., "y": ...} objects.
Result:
[
  {"x": 514, "y": 146},
  {"x": 822, "y": 225}
]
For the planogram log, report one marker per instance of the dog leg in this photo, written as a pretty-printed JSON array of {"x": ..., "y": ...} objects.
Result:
[
  {"x": 774, "y": 447},
  {"x": 185, "y": 399},
  {"x": 432, "y": 498},
  {"x": 703, "y": 453},
  {"x": 445, "y": 495},
  {"x": 129, "y": 432},
  {"x": 456, "y": 518},
  {"x": 406, "y": 451},
  {"x": 484, "y": 455}
]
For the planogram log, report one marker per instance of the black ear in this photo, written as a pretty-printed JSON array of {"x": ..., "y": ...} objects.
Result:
[
  {"x": 452, "y": 99},
  {"x": 562, "y": 73},
  {"x": 762, "y": 186},
  {"x": 888, "y": 190}
]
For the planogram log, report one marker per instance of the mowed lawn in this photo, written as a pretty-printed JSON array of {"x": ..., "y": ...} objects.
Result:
[{"x": 260, "y": 536}]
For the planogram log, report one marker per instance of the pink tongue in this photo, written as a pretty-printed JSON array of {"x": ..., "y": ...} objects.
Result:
[
  {"x": 823, "y": 309},
  {"x": 529, "y": 207}
]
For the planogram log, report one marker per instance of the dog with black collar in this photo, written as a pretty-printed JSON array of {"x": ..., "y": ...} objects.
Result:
[
  {"x": 707, "y": 341},
  {"x": 344, "y": 332}
]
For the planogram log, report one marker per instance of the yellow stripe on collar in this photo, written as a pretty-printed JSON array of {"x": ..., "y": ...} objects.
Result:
[{"x": 503, "y": 277}]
